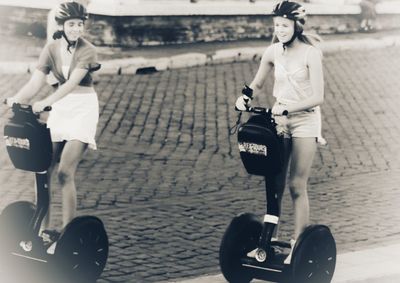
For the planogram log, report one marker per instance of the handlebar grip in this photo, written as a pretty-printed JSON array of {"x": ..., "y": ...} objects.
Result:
[
  {"x": 285, "y": 113},
  {"x": 47, "y": 108}
]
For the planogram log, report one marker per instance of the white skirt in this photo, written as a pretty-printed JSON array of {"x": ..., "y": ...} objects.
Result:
[{"x": 75, "y": 117}]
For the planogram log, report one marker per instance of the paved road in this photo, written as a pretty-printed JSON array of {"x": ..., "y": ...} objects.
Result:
[{"x": 167, "y": 177}]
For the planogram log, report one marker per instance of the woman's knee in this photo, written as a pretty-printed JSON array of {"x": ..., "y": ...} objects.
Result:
[
  {"x": 65, "y": 176},
  {"x": 298, "y": 187}
]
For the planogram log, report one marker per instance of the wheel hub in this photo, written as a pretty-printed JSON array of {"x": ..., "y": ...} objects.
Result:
[{"x": 261, "y": 255}]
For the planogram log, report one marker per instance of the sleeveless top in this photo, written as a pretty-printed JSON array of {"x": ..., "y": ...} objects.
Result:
[{"x": 291, "y": 86}]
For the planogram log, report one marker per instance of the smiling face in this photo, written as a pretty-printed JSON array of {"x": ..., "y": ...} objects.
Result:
[
  {"x": 283, "y": 28},
  {"x": 73, "y": 29}
]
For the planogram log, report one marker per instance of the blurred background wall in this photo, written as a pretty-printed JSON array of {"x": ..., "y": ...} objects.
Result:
[{"x": 130, "y": 23}]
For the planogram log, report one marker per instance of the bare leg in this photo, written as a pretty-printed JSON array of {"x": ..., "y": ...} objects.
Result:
[
  {"x": 303, "y": 151},
  {"x": 56, "y": 152},
  {"x": 70, "y": 158}
]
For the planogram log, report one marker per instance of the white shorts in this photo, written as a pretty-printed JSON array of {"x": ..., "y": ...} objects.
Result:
[
  {"x": 302, "y": 124},
  {"x": 75, "y": 117}
]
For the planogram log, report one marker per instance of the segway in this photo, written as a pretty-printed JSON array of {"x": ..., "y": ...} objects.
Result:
[
  {"x": 246, "y": 250},
  {"x": 81, "y": 250}
]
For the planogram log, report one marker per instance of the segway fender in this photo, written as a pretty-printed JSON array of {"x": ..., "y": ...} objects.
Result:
[
  {"x": 314, "y": 256},
  {"x": 82, "y": 250},
  {"x": 240, "y": 237}
]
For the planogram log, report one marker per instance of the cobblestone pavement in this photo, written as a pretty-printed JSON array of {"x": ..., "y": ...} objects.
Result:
[{"x": 167, "y": 178}]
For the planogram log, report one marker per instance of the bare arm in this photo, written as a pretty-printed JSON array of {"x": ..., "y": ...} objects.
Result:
[
  {"x": 76, "y": 76},
  {"x": 314, "y": 63},
  {"x": 263, "y": 70},
  {"x": 37, "y": 80},
  {"x": 243, "y": 101}
]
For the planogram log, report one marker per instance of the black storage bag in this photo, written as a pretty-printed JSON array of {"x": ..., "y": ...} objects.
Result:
[
  {"x": 28, "y": 141},
  {"x": 260, "y": 147}
]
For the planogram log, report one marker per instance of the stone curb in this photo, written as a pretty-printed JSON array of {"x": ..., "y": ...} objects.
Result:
[{"x": 136, "y": 65}]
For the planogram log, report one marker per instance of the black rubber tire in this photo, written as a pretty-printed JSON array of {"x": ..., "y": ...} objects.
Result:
[
  {"x": 240, "y": 238},
  {"x": 14, "y": 223},
  {"x": 314, "y": 256},
  {"x": 82, "y": 250}
]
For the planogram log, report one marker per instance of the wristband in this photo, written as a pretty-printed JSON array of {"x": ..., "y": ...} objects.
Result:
[{"x": 247, "y": 91}]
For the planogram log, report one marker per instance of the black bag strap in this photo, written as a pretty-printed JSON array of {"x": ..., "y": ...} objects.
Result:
[{"x": 234, "y": 128}]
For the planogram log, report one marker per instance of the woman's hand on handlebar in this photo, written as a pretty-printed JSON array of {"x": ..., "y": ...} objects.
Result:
[
  {"x": 243, "y": 101},
  {"x": 10, "y": 101},
  {"x": 279, "y": 110},
  {"x": 40, "y": 106}
]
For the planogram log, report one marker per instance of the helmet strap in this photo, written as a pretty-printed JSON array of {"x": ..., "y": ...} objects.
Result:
[
  {"x": 70, "y": 43},
  {"x": 288, "y": 43}
]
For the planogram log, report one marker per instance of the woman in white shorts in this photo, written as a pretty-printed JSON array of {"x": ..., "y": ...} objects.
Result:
[
  {"x": 299, "y": 90},
  {"x": 75, "y": 109}
]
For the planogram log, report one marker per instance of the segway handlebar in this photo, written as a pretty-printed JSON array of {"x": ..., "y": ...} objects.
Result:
[
  {"x": 260, "y": 110},
  {"x": 19, "y": 107}
]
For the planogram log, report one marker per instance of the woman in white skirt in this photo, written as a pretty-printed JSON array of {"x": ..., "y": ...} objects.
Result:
[{"x": 75, "y": 110}]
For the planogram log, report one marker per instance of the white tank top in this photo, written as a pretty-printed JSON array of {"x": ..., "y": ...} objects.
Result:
[
  {"x": 66, "y": 63},
  {"x": 294, "y": 86},
  {"x": 65, "y": 71}
]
